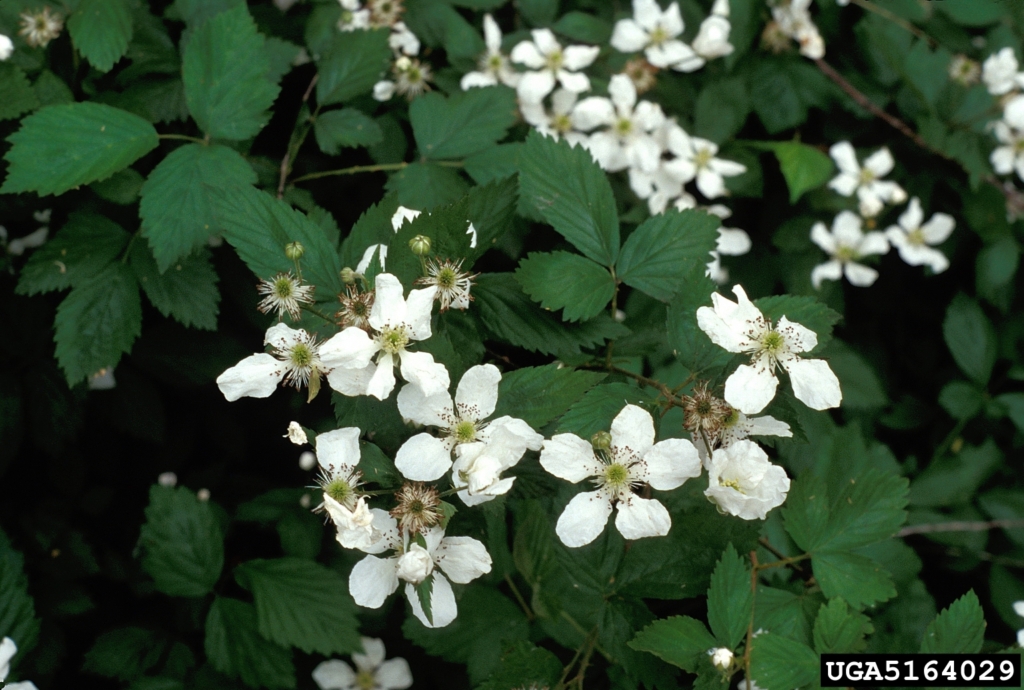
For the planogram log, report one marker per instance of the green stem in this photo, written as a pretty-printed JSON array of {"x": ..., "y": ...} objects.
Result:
[
  {"x": 183, "y": 137},
  {"x": 317, "y": 312},
  {"x": 379, "y": 167},
  {"x": 519, "y": 598}
]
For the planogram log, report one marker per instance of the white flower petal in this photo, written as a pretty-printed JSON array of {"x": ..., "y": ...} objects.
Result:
[
  {"x": 334, "y": 675},
  {"x": 569, "y": 457},
  {"x": 418, "y": 309},
  {"x": 845, "y": 157},
  {"x": 830, "y": 270},
  {"x": 526, "y": 53},
  {"x": 880, "y": 162},
  {"x": 592, "y": 112},
  {"x": 545, "y": 41},
  {"x": 642, "y": 517},
  {"x": 463, "y": 559},
  {"x": 768, "y": 426},
  {"x": 373, "y": 580},
  {"x": 382, "y": 382},
  {"x": 814, "y": 384},
  {"x": 492, "y": 34},
  {"x": 798, "y": 338},
  {"x": 584, "y": 518},
  {"x": 373, "y": 654},
  {"x": 352, "y": 382},
  {"x": 629, "y": 37},
  {"x": 578, "y": 57},
  {"x": 423, "y": 458},
  {"x": 670, "y": 463},
  {"x": 534, "y": 86},
  {"x": 421, "y": 369},
  {"x": 577, "y": 82},
  {"x": 443, "y": 608},
  {"x": 622, "y": 92},
  {"x": 632, "y": 432},
  {"x": 477, "y": 394},
  {"x": 938, "y": 229},
  {"x": 513, "y": 434},
  {"x": 471, "y": 80},
  {"x": 859, "y": 274},
  {"x": 749, "y": 389},
  {"x": 911, "y": 218},
  {"x": 389, "y": 307},
  {"x": 256, "y": 376},
  {"x": 733, "y": 242},
  {"x": 337, "y": 449},
  {"x": 844, "y": 183},
  {"x": 394, "y": 674},
  {"x": 874, "y": 242},
  {"x": 434, "y": 410},
  {"x": 350, "y": 349},
  {"x": 710, "y": 183}
]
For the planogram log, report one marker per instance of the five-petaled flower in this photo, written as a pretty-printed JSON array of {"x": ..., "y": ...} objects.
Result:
[
  {"x": 493, "y": 67},
  {"x": 741, "y": 327},
  {"x": 742, "y": 482},
  {"x": 872, "y": 191},
  {"x": 915, "y": 240},
  {"x": 372, "y": 672},
  {"x": 632, "y": 459},
  {"x": 549, "y": 63},
  {"x": 846, "y": 244},
  {"x": 656, "y": 33},
  {"x": 295, "y": 358}
]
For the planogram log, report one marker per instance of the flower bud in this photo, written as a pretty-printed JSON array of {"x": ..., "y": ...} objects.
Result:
[
  {"x": 420, "y": 245},
  {"x": 307, "y": 461},
  {"x": 294, "y": 250},
  {"x": 415, "y": 565},
  {"x": 348, "y": 276},
  {"x": 721, "y": 657},
  {"x": 167, "y": 479},
  {"x": 602, "y": 440},
  {"x": 203, "y": 495}
]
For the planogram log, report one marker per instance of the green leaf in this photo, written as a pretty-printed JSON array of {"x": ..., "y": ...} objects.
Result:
[
  {"x": 494, "y": 163},
  {"x": 63, "y": 146},
  {"x": 510, "y": 316},
  {"x": 663, "y": 248},
  {"x": 125, "y": 653},
  {"x": 487, "y": 622},
  {"x": 346, "y": 127},
  {"x": 378, "y": 467},
  {"x": 597, "y": 408},
  {"x": 17, "y": 609},
  {"x": 425, "y": 185},
  {"x": 522, "y": 666},
  {"x": 183, "y": 548},
  {"x": 838, "y": 630},
  {"x": 195, "y": 12},
  {"x": 779, "y": 663},
  {"x": 1014, "y": 404},
  {"x": 187, "y": 291},
  {"x": 572, "y": 193},
  {"x": 259, "y": 226},
  {"x": 974, "y": 12},
  {"x": 857, "y": 579},
  {"x": 81, "y": 250},
  {"x": 927, "y": 71},
  {"x": 954, "y": 480},
  {"x": 539, "y": 394},
  {"x": 730, "y": 600},
  {"x": 447, "y": 227},
  {"x": 178, "y": 207},
  {"x": 97, "y": 322},
  {"x": 353, "y": 63},
  {"x": 959, "y": 629},
  {"x": 679, "y": 640},
  {"x": 562, "y": 280},
  {"x": 302, "y": 604},
  {"x": 101, "y": 30},
  {"x": 691, "y": 345},
  {"x": 970, "y": 338},
  {"x": 806, "y": 311},
  {"x": 492, "y": 210},
  {"x": 775, "y": 95},
  {"x": 721, "y": 109},
  {"x": 120, "y": 188},
  {"x": 423, "y": 593},
  {"x": 583, "y": 27},
  {"x": 235, "y": 648},
  {"x": 226, "y": 73},
  {"x": 804, "y": 167},
  {"x": 464, "y": 123},
  {"x": 16, "y": 94}
]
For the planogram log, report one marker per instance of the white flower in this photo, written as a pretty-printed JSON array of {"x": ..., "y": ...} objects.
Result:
[
  {"x": 1009, "y": 157},
  {"x": 7, "y": 651},
  {"x": 1018, "y": 608},
  {"x": 372, "y": 671},
  {"x": 730, "y": 242},
  {"x": 999, "y": 72},
  {"x": 656, "y": 34},
  {"x": 712, "y": 40},
  {"x": 410, "y": 79},
  {"x": 32, "y": 240},
  {"x": 632, "y": 459},
  {"x": 494, "y": 66},
  {"x": 426, "y": 458},
  {"x": 742, "y": 482},
  {"x": 338, "y": 454},
  {"x": 793, "y": 18},
  {"x": 740, "y": 327},
  {"x": 478, "y": 467},
  {"x": 295, "y": 358},
  {"x": 627, "y": 142},
  {"x": 403, "y": 40},
  {"x": 696, "y": 159},
  {"x": 846, "y": 244},
  {"x": 559, "y": 122},
  {"x": 659, "y": 188},
  {"x": 462, "y": 559},
  {"x": 914, "y": 240},
  {"x": 397, "y": 322},
  {"x": 549, "y": 63},
  {"x": 721, "y": 657},
  {"x": 353, "y": 16},
  {"x": 872, "y": 191},
  {"x": 6, "y": 47},
  {"x": 296, "y": 434}
]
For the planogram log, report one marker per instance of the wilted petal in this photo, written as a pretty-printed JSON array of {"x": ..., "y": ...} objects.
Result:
[
  {"x": 814, "y": 384},
  {"x": 421, "y": 369},
  {"x": 642, "y": 517},
  {"x": 584, "y": 518},
  {"x": 423, "y": 458}
]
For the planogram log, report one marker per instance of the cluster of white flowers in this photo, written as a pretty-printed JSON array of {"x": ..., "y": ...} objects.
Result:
[
  {"x": 1003, "y": 79},
  {"x": 792, "y": 18},
  {"x": 7, "y": 651},
  {"x": 847, "y": 242},
  {"x": 372, "y": 672}
]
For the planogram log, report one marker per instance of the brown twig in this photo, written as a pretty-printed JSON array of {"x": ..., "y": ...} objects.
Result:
[
  {"x": 896, "y": 19},
  {"x": 959, "y": 526}
]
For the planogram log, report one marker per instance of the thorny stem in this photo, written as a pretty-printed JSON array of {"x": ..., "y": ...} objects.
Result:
[
  {"x": 183, "y": 137},
  {"x": 959, "y": 526},
  {"x": 519, "y": 598},
  {"x": 317, "y": 312},
  {"x": 896, "y": 19},
  {"x": 380, "y": 167}
]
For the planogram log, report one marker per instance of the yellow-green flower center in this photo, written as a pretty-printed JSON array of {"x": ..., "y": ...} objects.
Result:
[
  {"x": 731, "y": 419},
  {"x": 844, "y": 254},
  {"x": 772, "y": 342},
  {"x": 916, "y": 236},
  {"x": 301, "y": 356},
  {"x": 555, "y": 60},
  {"x": 365, "y": 680},
  {"x": 464, "y": 432},
  {"x": 703, "y": 157},
  {"x": 616, "y": 475},
  {"x": 339, "y": 489},
  {"x": 866, "y": 176},
  {"x": 283, "y": 288},
  {"x": 446, "y": 278},
  {"x": 658, "y": 36},
  {"x": 732, "y": 484},
  {"x": 494, "y": 62},
  {"x": 623, "y": 126},
  {"x": 561, "y": 123},
  {"x": 393, "y": 340}
]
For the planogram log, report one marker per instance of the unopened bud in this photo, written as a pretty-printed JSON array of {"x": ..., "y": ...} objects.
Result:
[
  {"x": 294, "y": 250},
  {"x": 203, "y": 495},
  {"x": 348, "y": 276},
  {"x": 602, "y": 440},
  {"x": 307, "y": 461},
  {"x": 167, "y": 479},
  {"x": 420, "y": 245}
]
